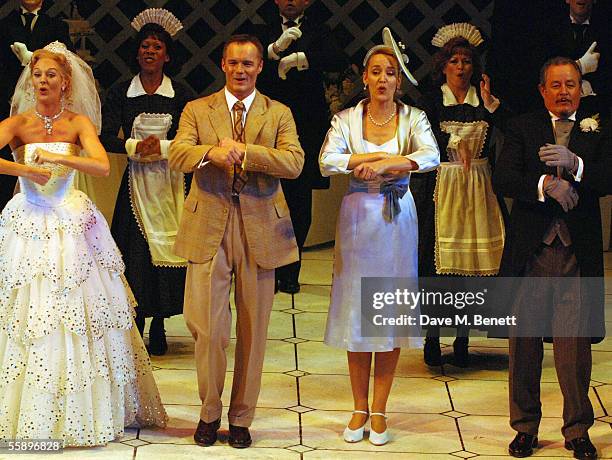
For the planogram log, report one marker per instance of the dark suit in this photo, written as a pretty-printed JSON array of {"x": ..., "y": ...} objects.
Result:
[
  {"x": 303, "y": 92},
  {"x": 45, "y": 30},
  {"x": 525, "y": 42},
  {"x": 562, "y": 39},
  {"x": 517, "y": 175}
]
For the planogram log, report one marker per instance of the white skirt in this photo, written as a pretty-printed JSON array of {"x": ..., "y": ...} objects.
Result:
[
  {"x": 368, "y": 246},
  {"x": 72, "y": 363}
]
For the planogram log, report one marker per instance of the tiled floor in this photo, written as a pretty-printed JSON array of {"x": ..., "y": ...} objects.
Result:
[{"x": 434, "y": 413}]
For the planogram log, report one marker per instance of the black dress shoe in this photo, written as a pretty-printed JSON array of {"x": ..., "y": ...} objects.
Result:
[
  {"x": 288, "y": 287},
  {"x": 522, "y": 445},
  {"x": 431, "y": 351},
  {"x": 582, "y": 447},
  {"x": 158, "y": 346},
  {"x": 460, "y": 348},
  {"x": 239, "y": 437},
  {"x": 206, "y": 433}
]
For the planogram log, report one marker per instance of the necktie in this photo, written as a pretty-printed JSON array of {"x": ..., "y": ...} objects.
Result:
[
  {"x": 563, "y": 128},
  {"x": 240, "y": 176},
  {"x": 579, "y": 34},
  {"x": 29, "y": 18},
  {"x": 290, "y": 24}
]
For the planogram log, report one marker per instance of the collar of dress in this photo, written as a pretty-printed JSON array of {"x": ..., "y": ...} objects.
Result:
[
  {"x": 449, "y": 99},
  {"x": 136, "y": 89}
]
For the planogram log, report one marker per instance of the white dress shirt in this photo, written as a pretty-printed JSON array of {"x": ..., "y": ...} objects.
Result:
[{"x": 230, "y": 99}]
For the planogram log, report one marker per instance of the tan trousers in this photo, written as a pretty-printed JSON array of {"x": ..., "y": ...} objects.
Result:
[{"x": 208, "y": 317}]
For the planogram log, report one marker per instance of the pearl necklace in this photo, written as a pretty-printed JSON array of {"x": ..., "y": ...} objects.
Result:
[
  {"x": 384, "y": 122},
  {"x": 48, "y": 120}
]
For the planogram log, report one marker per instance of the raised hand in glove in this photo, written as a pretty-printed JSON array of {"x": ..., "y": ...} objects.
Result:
[
  {"x": 558, "y": 155},
  {"x": 286, "y": 38},
  {"x": 21, "y": 51},
  {"x": 590, "y": 60},
  {"x": 561, "y": 191}
]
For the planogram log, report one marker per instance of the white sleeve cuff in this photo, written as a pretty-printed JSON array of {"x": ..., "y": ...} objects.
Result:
[
  {"x": 271, "y": 53},
  {"x": 578, "y": 175},
  {"x": 334, "y": 163},
  {"x": 164, "y": 146},
  {"x": 541, "y": 188},
  {"x": 130, "y": 147},
  {"x": 302, "y": 61}
]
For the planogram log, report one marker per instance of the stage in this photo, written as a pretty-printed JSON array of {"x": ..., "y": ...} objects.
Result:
[{"x": 305, "y": 402}]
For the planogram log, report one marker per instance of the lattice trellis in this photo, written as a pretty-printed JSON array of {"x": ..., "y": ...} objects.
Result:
[{"x": 207, "y": 24}]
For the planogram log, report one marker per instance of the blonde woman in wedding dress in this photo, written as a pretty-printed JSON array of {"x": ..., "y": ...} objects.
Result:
[{"x": 72, "y": 364}]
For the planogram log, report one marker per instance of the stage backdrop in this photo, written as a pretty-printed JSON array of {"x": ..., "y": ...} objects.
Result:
[
  {"x": 101, "y": 32},
  {"x": 101, "y": 29}
]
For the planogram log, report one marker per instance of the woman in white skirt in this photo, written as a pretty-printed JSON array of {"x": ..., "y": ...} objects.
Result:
[{"x": 380, "y": 141}]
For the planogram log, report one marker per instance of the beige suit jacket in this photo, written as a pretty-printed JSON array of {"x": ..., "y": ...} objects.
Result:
[{"x": 273, "y": 152}]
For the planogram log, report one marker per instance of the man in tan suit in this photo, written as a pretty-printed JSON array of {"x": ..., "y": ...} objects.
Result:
[{"x": 238, "y": 143}]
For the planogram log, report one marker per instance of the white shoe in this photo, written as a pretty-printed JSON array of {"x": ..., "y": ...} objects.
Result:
[
  {"x": 355, "y": 435},
  {"x": 378, "y": 439}
]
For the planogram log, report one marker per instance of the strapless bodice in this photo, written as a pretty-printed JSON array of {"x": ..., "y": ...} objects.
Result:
[{"x": 59, "y": 186}]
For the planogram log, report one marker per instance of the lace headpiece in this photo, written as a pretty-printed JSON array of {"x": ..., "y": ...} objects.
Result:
[
  {"x": 160, "y": 16},
  {"x": 461, "y": 29},
  {"x": 84, "y": 96}
]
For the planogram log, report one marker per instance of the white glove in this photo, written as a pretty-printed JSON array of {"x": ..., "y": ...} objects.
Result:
[
  {"x": 586, "y": 89},
  {"x": 589, "y": 62},
  {"x": 286, "y": 38},
  {"x": 21, "y": 51},
  {"x": 287, "y": 63}
]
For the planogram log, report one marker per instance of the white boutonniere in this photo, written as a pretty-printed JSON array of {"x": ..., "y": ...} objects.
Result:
[{"x": 590, "y": 125}]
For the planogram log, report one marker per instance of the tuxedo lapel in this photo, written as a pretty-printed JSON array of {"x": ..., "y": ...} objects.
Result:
[
  {"x": 40, "y": 30},
  {"x": 579, "y": 140},
  {"x": 566, "y": 37},
  {"x": 547, "y": 136},
  {"x": 17, "y": 31},
  {"x": 255, "y": 119},
  {"x": 219, "y": 116}
]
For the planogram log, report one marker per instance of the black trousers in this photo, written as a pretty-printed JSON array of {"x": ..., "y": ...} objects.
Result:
[
  {"x": 572, "y": 355},
  {"x": 298, "y": 194}
]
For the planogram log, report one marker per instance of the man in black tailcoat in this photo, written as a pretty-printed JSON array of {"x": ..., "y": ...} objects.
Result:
[
  {"x": 297, "y": 52},
  {"x": 555, "y": 164},
  {"x": 583, "y": 32}
]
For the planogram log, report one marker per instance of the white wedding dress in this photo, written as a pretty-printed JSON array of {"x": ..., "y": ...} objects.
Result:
[{"x": 72, "y": 363}]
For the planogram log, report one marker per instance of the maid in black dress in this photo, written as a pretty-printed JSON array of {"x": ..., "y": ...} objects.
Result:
[
  {"x": 461, "y": 224},
  {"x": 147, "y": 109}
]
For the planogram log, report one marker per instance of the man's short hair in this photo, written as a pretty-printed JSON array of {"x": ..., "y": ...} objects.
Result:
[
  {"x": 244, "y": 38},
  {"x": 559, "y": 60}
]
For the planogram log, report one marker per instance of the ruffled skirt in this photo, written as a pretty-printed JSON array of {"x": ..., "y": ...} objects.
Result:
[{"x": 72, "y": 364}]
